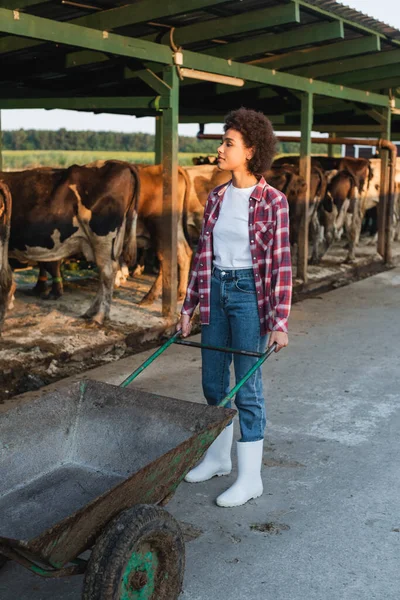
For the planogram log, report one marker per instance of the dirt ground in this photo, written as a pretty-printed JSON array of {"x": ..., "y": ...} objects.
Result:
[{"x": 46, "y": 340}]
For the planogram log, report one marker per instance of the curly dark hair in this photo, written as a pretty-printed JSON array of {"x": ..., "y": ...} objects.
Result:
[{"x": 257, "y": 133}]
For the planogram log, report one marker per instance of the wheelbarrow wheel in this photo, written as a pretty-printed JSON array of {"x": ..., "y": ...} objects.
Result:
[{"x": 139, "y": 556}]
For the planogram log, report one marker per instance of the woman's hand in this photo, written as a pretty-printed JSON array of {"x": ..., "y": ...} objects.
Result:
[
  {"x": 184, "y": 324},
  {"x": 280, "y": 338}
]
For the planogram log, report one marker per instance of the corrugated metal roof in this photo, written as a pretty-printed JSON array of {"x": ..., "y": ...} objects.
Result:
[{"x": 356, "y": 16}]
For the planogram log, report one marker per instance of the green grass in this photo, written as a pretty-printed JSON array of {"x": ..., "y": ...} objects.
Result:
[{"x": 15, "y": 160}]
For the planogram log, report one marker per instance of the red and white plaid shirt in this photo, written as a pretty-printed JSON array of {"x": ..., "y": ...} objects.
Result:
[{"x": 270, "y": 250}]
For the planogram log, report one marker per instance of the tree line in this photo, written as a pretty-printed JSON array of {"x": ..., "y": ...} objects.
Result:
[{"x": 62, "y": 139}]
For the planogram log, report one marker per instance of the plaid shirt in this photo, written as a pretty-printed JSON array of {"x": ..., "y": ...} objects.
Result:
[{"x": 270, "y": 250}]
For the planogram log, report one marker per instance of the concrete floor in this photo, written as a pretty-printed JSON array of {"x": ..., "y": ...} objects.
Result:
[{"x": 331, "y": 464}]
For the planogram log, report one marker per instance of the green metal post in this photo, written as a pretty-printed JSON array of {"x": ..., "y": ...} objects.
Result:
[
  {"x": 331, "y": 147},
  {"x": 158, "y": 140},
  {"x": 170, "y": 184},
  {"x": 385, "y": 206},
  {"x": 1, "y": 146},
  {"x": 305, "y": 171}
]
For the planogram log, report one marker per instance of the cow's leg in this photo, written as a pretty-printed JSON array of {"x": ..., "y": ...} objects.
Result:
[
  {"x": 57, "y": 289},
  {"x": 156, "y": 289},
  {"x": 41, "y": 288},
  {"x": 315, "y": 233},
  {"x": 122, "y": 273},
  {"x": 99, "y": 310},
  {"x": 184, "y": 253},
  {"x": 107, "y": 251},
  {"x": 353, "y": 224},
  {"x": 7, "y": 289}
]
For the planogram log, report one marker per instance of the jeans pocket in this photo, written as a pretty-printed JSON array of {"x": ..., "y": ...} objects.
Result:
[{"x": 246, "y": 285}]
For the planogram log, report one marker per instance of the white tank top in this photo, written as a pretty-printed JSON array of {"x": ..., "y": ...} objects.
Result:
[{"x": 231, "y": 242}]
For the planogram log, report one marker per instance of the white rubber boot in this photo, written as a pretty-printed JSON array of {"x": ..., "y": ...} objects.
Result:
[
  {"x": 217, "y": 459},
  {"x": 248, "y": 485}
]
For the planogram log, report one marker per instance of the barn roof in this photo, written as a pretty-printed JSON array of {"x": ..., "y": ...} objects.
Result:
[{"x": 109, "y": 56}]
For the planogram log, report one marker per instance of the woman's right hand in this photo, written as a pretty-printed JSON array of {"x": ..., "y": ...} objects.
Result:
[{"x": 184, "y": 324}]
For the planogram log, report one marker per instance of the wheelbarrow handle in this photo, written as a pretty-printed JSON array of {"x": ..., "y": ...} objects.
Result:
[
  {"x": 151, "y": 358},
  {"x": 249, "y": 373},
  {"x": 172, "y": 340}
]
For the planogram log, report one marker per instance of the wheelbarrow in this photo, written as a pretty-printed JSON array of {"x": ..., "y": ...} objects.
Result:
[{"x": 90, "y": 467}]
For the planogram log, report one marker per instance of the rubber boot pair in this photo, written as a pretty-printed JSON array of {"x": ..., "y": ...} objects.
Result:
[{"x": 217, "y": 461}]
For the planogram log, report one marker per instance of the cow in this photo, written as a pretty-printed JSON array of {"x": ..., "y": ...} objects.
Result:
[
  {"x": 204, "y": 160},
  {"x": 341, "y": 208},
  {"x": 203, "y": 179},
  {"x": 356, "y": 170},
  {"x": 151, "y": 224},
  {"x": 360, "y": 168},
  {"x": 372, "y": 197},
  {"x": 7, "y": 286},
  {"x": 91, "y": 209},
  {"x": 295, "y": 191}
]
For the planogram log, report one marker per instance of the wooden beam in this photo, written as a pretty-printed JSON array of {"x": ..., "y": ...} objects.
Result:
[
  {"x": 158, "y": 142},
  {"x": 143, "y": 11},
  {"x": 197, "y": 60},
  {"x": 385, "y": 206},
  {"x": 302, "y": 36},
  {"x": 87, "y": 103},
  {"x": 343, "y": 70},
  {"x": 153, "y": 81},
  {"x": 361, "y": 76},
  {"x": 84, "y": 57},
  {"x": 48, "y": 30},
  {"x": 335, "y": 51},
  {"x": 20, "y": 4},
  {"x": 169, "y": 239},
  {"x": 107, "y": 20},
  {"x": 65, "y": 33},
  {"x": 1, "y": 145},
  {"x": 305, "y": 171},
  {"x": 380, "y": 84},
  {"x": 252, "y": 20}
]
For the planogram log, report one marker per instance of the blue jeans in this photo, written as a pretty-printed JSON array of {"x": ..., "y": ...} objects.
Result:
[{"x": 234, "y": 322}]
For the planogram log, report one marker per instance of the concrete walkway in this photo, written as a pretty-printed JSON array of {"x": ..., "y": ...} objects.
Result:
[{"x": 328, "y": 524}]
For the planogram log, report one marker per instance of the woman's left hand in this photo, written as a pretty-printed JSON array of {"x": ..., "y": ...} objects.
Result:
[{"x": 280, "y": 338}]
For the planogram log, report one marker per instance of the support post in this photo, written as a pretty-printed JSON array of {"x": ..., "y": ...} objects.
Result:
[
  {"x": 158, "y": 140},
  {"x": 1, "y": 145},
  {"x": 386, "y": 196},
  {"x": 331, "y": 147},
  {"x": 169, "y": 127},
  {"x": 305, "y": 171}
]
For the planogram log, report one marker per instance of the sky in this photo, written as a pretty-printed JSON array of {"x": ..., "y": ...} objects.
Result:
[{"x": 387, "y": 11}]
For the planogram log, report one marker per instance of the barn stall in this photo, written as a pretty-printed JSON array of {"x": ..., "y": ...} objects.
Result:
[{"x": 308, "y": 65}]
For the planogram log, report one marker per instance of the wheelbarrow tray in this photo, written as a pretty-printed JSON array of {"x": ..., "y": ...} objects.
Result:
[{"x": 73, "y": 459}]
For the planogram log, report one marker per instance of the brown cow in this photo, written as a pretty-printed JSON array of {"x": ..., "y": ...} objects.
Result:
[
  {"x": 296, "y": 194},
  {"x": 151, "y": 224},
  {"x": 341, "y": 207},
  {"x": 359, "y": 167},
  {"x": 91, "y": 210},
  {"x": 357, "y": 170},
  {"x": 372, "y": 196},
  {"x": 6, "y": 283},
  {"x": 204, "y": 160}
]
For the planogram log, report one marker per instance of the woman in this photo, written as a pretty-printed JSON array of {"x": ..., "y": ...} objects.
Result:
[{"x": 242, "y": 278}]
